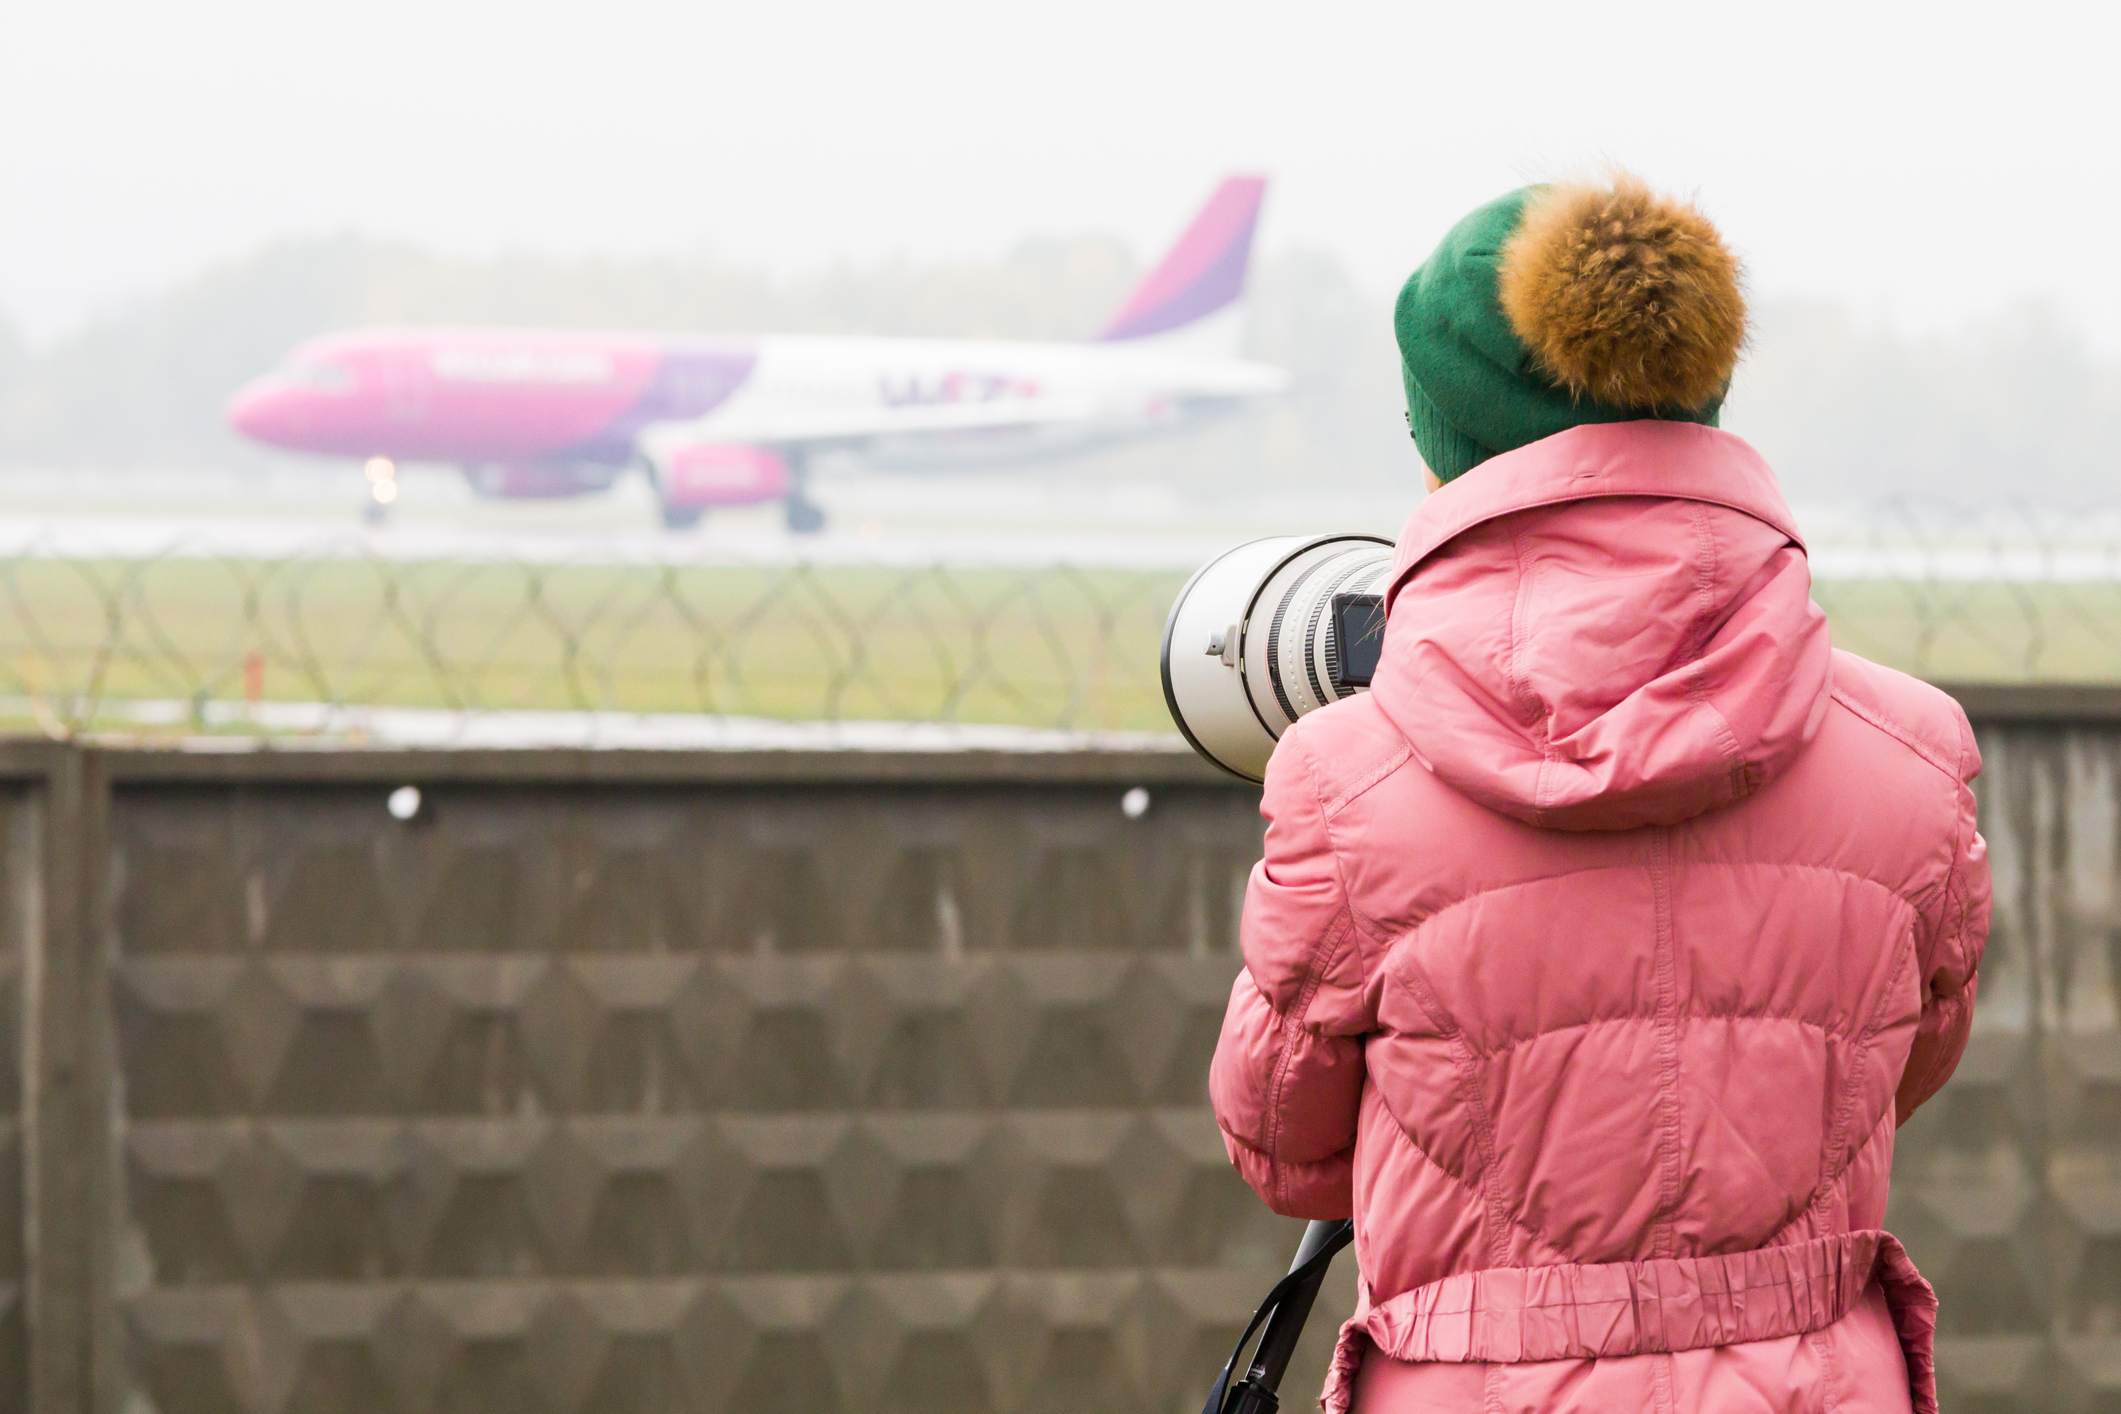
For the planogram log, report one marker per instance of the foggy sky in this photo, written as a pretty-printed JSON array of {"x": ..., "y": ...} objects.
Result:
[{"x": 1926, "y": 165}]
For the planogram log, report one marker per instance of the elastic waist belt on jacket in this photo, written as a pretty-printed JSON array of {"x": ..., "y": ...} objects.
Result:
[{"x": 1516, "y": 1315}]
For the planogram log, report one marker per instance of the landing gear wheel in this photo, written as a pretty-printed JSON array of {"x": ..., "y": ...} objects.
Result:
[
  {"x": 805, "y": 517},
  {"x": 681, "y": 517}
]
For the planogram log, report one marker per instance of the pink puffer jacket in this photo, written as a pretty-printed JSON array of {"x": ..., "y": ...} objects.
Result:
[{"x": 1598, "y": 950}]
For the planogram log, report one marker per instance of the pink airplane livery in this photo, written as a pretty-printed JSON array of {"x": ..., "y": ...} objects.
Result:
[{"x": 729, "y": 421}]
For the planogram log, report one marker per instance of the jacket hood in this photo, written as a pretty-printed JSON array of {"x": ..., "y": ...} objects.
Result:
[{"x": 1607, "y": 628}]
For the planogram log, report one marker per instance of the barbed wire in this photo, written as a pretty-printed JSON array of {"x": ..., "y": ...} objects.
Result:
[
  {"x": 2001, "y": 591},
  {"x": 193, "y": 635},
  {"x": 96, "y": 643}
]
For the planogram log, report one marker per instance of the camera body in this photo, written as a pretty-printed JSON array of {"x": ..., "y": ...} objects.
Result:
[{"x": 1270, "y": 630}]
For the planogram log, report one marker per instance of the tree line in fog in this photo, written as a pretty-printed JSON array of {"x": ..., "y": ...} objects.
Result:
[{"x": 2017, "y": 406}]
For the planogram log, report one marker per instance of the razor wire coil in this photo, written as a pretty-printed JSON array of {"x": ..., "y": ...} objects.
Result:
[{"x": 191, "y": 635}]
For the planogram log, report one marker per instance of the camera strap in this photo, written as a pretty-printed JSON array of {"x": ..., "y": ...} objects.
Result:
[{"x": 1288, "y": 1302}]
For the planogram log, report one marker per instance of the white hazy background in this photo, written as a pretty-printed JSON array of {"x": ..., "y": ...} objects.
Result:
[
  {"x": 1889, "y": 172},
  {"x": 1934, "y": 162}
]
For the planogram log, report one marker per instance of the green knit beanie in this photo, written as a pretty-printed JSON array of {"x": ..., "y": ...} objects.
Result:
[{"x": 1475, "y": 386}]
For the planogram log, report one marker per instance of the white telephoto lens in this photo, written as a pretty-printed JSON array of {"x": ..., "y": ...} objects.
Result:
[{"x": 1255, "y": 640}]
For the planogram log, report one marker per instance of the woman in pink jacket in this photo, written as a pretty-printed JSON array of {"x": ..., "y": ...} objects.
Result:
[{"x": 1599, "y": 949}]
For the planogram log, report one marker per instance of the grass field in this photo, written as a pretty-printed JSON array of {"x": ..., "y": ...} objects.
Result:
[
  {"x": 1981, "y": 630},
  {"x": 1055, "y": 647},
  {"x": 1047, "y": 647}
]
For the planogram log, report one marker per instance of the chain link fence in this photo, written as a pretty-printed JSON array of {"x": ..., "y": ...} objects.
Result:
[
  {"x": 189, "y": 638},
  {"x": 192, "y": 635},
  {"x": 2005, "y": 591}
]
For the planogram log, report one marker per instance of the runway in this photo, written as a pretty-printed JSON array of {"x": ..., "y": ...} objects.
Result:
[
  {"x": 301, "y": 512},
  {"x": 313, "y": 513}
]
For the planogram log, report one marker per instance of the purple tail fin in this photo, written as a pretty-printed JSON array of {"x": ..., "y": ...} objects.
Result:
[{"x": 1205, "y": 271}]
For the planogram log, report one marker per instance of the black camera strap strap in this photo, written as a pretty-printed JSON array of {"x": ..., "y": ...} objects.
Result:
[{"x": 1323, "y": 1240}]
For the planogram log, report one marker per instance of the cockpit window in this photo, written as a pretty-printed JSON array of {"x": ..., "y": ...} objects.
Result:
[{"x": 327, "y": 377}]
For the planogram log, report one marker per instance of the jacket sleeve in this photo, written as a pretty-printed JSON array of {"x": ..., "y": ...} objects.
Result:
[
  {"x": 1949, "y": 950},
  {"x": 1288, "y": 1072}
]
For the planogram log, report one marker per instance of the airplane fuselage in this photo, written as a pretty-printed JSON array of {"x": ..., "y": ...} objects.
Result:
[{"x": 550, "y": 398}]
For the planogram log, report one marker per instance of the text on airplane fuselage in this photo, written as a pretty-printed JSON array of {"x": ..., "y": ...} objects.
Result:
[{"x": 916, "y": 391}]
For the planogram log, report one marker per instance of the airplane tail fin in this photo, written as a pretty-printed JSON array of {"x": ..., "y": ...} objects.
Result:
[{"x": 1194, "y": 297}]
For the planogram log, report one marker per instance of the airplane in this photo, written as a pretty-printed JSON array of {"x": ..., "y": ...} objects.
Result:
[{"x": 729, "y": 421}]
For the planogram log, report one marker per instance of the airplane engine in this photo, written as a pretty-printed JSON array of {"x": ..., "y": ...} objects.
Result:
[
  {"x": 518, "y": 481},
  {"x": 693, "y": 477}
]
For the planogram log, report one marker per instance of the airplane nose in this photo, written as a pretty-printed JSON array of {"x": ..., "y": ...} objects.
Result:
[{"x": 261, "y": 410}]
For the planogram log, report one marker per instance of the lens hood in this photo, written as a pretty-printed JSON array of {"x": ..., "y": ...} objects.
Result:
[{"x": 1267, "y": 631}]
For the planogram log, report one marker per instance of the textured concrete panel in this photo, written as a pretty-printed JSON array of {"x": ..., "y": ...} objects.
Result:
[
  {"x": 715, "y": 1099},
  {"x": 874, "y": 1095},
  {"x": 2007, "y": 1187}
]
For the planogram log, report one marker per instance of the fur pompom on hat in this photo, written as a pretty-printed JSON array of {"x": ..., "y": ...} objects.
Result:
[
  {"x": 1561, "y": 305},
  {"x": 1624, "y": 296}
]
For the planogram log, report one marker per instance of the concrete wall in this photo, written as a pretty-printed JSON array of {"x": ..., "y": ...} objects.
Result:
[
  {"x": 2007, "y": 1187},
  {"x": 779, "y": 1081}
]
